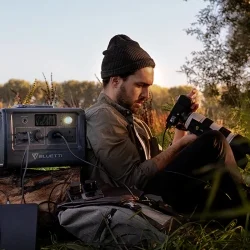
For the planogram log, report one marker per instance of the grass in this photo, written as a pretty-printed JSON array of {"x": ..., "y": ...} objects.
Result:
[{"x": 190, "y": 236}]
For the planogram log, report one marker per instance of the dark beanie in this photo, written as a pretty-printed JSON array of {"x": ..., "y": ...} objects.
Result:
[{"x": 123, "y": 56}]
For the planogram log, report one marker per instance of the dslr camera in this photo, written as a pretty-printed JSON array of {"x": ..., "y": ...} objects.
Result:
[{"x": 182, "y": 117}]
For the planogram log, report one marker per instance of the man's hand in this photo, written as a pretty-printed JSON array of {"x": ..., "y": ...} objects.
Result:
[{"x": 193, "y": 95}]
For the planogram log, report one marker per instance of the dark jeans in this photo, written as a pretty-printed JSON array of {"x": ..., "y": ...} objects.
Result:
[{"x": 183, "y": 188}]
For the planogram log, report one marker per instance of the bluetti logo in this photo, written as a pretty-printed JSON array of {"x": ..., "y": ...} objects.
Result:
[
  {"x": 46, "y": 156},
  {"x": 35, "y": 155}
]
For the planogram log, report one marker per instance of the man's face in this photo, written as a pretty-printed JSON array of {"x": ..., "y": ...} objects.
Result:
[{"x": 134, "y": 90}]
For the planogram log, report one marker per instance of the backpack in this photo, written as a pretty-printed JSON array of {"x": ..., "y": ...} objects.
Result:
[{"x": 111, "y": 223}]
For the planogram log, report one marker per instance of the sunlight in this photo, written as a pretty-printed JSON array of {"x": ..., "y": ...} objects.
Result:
[{"x": 158, "y": 77}]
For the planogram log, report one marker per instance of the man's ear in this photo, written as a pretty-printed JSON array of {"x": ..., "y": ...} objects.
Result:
[{"x": 115, "y": 80}]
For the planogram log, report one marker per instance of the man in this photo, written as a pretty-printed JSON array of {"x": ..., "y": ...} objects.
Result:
[{"x": 125, "y": 151}]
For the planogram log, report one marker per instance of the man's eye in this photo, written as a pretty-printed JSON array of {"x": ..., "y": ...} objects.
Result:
[{"x": 139, "y": 85}]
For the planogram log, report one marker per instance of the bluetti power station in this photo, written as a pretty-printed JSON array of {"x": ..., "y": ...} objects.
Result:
[{"x": 49, "y": 136}]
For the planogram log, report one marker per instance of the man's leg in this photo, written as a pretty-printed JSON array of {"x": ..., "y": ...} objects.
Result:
[{"x": 182, "y": 183}]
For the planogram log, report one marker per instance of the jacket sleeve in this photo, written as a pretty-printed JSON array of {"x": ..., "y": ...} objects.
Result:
[{"x": 109, "y": 138}]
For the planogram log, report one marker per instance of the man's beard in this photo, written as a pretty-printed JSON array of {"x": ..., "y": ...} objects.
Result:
[{"x": 124, "y": 100}]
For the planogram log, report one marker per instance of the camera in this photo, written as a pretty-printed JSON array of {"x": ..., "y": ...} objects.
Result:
[{"x": 181, "y": 115}]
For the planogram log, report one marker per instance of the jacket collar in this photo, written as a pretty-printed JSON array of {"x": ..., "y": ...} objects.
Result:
[{"x": 103, "y": 98}]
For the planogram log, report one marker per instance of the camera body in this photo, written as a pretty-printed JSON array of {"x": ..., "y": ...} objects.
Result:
[
  {"x": 35, "y": 129},
  {"x": 198, "y": 124}
]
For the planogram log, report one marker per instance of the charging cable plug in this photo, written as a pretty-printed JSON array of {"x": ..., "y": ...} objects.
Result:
[{"x": 57, "y": 135}]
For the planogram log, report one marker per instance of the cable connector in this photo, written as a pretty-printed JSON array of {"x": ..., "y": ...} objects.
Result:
[{"x": 57, "y": 135}]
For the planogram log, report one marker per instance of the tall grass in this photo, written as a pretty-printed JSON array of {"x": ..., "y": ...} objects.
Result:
[{"x": 190, "y": 236}]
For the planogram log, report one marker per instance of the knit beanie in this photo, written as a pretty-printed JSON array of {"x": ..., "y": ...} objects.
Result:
[{"x": 123, "y": 56}]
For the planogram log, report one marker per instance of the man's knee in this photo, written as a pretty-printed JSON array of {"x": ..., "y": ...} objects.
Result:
[
  {"x": 216, "y": 141},
  {"x": 215, "y": 136}
]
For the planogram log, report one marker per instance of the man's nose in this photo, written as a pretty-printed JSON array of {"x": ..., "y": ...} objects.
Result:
[{"x": 145, "y": 93}]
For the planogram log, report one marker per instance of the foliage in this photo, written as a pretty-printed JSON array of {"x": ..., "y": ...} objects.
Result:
[
  {"x": 80, "y": 94},
  {"x": 223, "y": 28},
  {"x": 28, "y": 97},
  {"x": 192, "y": 236},
  {"x": 67, "y": 94},
  {"x": 20, "y": 88},
  {"x": 50, "y": 92},
  {"x": 155, "y": 111}
]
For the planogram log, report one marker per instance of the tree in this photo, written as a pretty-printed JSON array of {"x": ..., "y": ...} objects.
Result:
[
  {"x": 80, "y": 94},
  {"x": 223, "y": 27},
  {"x": 13, "y": 87},
  {"x": 159, "y": 97}
]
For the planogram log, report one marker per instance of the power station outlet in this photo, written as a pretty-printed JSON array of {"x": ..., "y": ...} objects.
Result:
[
  {"x": 68, "y": 133},
  {"x": 24, "y": 135}
]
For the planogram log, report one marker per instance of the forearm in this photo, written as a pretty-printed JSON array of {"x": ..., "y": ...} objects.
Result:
[
  {"x": 166, "y": 156},
  {"x": 178, "y": 134}
]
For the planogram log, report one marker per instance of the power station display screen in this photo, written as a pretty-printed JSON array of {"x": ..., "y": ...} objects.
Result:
[{"x": 45, "y": 120}]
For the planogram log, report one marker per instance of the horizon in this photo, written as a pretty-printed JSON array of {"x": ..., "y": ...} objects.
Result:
[{"x": 68, "y": 39}]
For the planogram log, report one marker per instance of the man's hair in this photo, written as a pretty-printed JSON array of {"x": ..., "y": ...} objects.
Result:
[
  {"x": 124, "y": 77},
  {"x": 123, "y": 57}
]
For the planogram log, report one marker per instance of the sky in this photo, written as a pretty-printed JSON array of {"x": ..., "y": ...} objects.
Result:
[{"x": 67, "y": 37}]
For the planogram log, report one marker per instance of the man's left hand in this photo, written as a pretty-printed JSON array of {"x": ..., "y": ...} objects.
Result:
[{"x": 193, "y": 95}]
